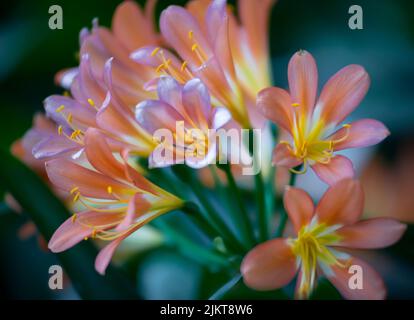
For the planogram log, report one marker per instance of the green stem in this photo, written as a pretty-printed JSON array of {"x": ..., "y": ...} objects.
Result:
[
  {"x": 190, "y": 247},
  {"x": 219, "y": 294},
  {"x": 284, "y": 216},
  {"x": 241, "y": 218},
  {"x": 259, "y": 194},
  {"x": 214, "y": 218}
]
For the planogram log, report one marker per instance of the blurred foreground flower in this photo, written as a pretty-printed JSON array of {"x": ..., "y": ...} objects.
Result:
[
  {"x": 311, "y": 127},
  {"x": 321, "y": 234}
]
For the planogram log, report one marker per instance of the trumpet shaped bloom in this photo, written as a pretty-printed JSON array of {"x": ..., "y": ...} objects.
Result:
[
  {"x": 310, "y": 124},
  {"x": 321, "y": 234},
  {"x": 116, "y": 200},
  {"x": 200, "y": 36},
  {"x": 186, "y": 113}
]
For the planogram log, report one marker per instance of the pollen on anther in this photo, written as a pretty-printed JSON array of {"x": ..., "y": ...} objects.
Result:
[
  {"x": 109, "y": 189},
  {"x": 346, "y": 125},
  {"x": 184, "y": 65},
  {"x": 190, "y": 34},
  {"x": 93, "y": 235},
  {"x": 74, "y": 217},
  {"x": 60, "y": 108},
  {"x": 60, "y": 130},
  {"x": 155, "y": 51},
  {"x": 91, "y": 102},
  {"x": 194, "y": 47},
  {"x": 295, "y": 104},
  {"x": 74, "y": 190},
  {"x": 76, "y": 197},
  {"x": 70, "y": 118}
]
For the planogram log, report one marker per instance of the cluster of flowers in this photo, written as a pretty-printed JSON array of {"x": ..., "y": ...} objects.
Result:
[{"x": 207, "y": 68}]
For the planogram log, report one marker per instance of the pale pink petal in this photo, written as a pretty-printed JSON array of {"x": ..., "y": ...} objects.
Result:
[
  {"x": 299, "y": 206},
  {"x": 131, "y": 27},
  {"x": 155, "y": 114},
  {"x": 342, "y": 94},
  {"x": 270, "y": 265},
  {"x": 275, "y": 104},
  {"x": 338, "y": 168},
  {"x": 283, "y": 157},
  {"x": 341, "y": 204},
  {"x": 373, "y": 287},
  {"x": 362, "y": 133},
  {"x": 72, "y": 231},
  {"x": 105, "y": 255},
  {"x": 137, "y": 206},
  {"x": 64, "y": 78},
  {"x": 176, "y": 24},
  {"x": 371, "y": 234},
  {"x": 100, "y": 155},
  {"x": 303, "y": 81},
  {"x": 54, "y": 146},
  {"x": 170, "y": 92},
  {"x": 197, "y": 104},
  {"x": 67, "y": 175},
  {"x": 221, "y": 116}
]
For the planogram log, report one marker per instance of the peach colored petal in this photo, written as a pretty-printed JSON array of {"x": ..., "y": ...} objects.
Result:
[
  {"x": 299, "y": 206},
  {"x": 283, "y": 156},
  {"x": 175, "y": 25},
  {"x": 373, "y": 287},
  {"x": 105, "y": 255},
  {"x": 341, "y": 204},
  {"x": 137, "y": 206},
  {"x": 67, "y": 175},
  {"x": 100, "y": 155},
  {"x": 270, "y": 265},
  {"x": 303, "y": 80},
  {"x": 72, "y": 231},
  {"x": 362, "y": 133},
  {"x": 342, "y": 94},
  {"x": 371, "y": 234},
  {"x": 338, "y": 168},
  {"x": 275, "y": 104},
  {"x": 131, "y": 27}
]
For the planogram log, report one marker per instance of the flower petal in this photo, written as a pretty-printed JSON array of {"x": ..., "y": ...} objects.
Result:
[
  {"x": 299, "y": 206},
  {"x": 221, "y": 116},
  {"x": 373, "y": 287},
  {"x": 270, "y": 265},
  {"x": 283, "y": 157},
  {"x": 137, "y": 206},
  {"x": 341, "y": 204},
  {"x": 362, "y": 133},
  {"x": 337, "y": 169},
  {"x": 371, "y": 234},
  {"x": 131, "y": 27},
  {"x": 303, "y": 80},
  {"x": 73, "y": 231},
  {"x": 275, "y": 104},
  {"x": 342, "y": 94},
  {"x": 100, "y": 155},
  {"x": 156, "y": 114},
  {"x": 105, "y": 255},
  {"x": 67, "y": 175},
  {"x": 196, "y": 100}
]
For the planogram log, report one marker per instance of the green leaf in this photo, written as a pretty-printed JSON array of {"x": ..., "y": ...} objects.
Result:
[{"x": 47, "y": 212}]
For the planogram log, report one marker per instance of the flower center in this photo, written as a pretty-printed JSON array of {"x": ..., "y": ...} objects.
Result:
[
  {"x": 310, "y": 247},
  {"x": 309, "y": 143}
]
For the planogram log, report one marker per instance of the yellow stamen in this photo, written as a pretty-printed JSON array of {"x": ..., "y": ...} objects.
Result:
[
  {"x": 60, "y": 108},
  {"x": 74, "y": 190},
  {"x": 159, "y": 68},
  {"x": 91, "y": 102},
  {"x": 76, "y": 197},
  {"x": 155, "y": 51},
  {"x": 109, "y": 189},
  {"x": 184, "y": 65},
  {"x": 74, "y": 217},
  {"x": 295, "y": 104},
  {"x": 194, "y": 47},
  {"x": 70, "y": 118},
  {"x": 190, "y": 34},
  {"x": 60, "y": 130}
]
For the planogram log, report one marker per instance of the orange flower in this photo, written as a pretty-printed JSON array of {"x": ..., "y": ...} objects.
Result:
[{"x": 321, "y": 234}]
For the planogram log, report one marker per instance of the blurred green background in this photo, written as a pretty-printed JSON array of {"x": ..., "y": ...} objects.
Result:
[{"x": 31, "y": 54}]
